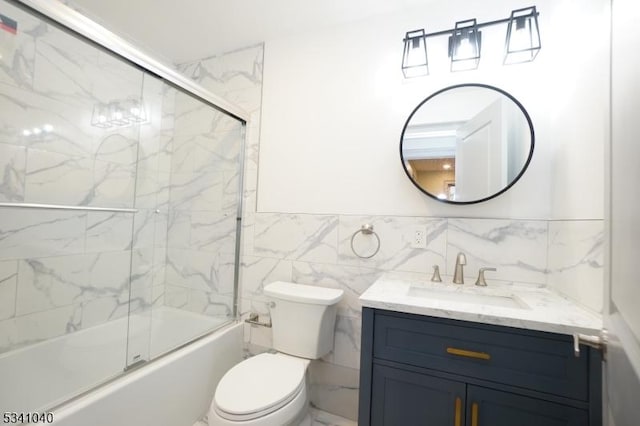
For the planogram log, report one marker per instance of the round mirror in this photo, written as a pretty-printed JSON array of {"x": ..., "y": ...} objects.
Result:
[{"x": 467, "y": 143}]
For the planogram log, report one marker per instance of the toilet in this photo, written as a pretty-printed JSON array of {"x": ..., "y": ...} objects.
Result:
[{"x": 270, "y": 389}]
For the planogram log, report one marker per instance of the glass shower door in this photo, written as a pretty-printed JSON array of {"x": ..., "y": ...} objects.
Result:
[
  {"x": 120, "y": 201},
  {"x": 198, "y": 176},
  {"x": 69, "y": 136}
]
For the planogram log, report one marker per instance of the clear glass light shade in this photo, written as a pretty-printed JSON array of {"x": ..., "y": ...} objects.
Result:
[
  {"x": 464, "y": 46},
  {"x": 414, "y": 57},
  {"x": 134, "y": 111},
  {"x": 523, "y": 36},
  {"x": 118, "y": 114},
  {"x": 99, "y": 118}
]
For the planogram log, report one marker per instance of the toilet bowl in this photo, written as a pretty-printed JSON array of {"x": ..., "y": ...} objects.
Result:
[
  {"x": 267, "y": 389},
  {"x": 270, "y": 389}
]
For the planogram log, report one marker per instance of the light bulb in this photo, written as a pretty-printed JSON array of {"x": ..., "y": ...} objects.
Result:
[
  {"x": 465, "y": 50},
  {"x": 37, "y": 131},
  {"x": 26, "y": 132},
  {"x": 520, "y": 39},
  {"x": 47, "y": 128}
]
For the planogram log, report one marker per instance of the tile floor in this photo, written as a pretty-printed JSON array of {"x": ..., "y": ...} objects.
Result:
[
  {"x": 319, "y": 418},
  {"x": 322, "y": 418}
]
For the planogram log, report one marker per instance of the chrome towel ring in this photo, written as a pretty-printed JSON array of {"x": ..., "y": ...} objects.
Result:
[{"x": 366, "y": 229}]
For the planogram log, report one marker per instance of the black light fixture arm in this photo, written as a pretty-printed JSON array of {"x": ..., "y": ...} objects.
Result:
[{"x": 479, "y": 25}]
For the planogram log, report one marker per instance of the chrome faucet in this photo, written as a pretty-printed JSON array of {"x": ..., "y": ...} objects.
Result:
[{"x": 458, "y": 275}]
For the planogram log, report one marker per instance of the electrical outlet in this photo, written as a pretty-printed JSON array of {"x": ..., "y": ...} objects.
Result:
[{"x": 419, "y": 237}]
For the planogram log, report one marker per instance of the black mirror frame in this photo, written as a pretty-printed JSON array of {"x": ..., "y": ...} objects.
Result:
[{"x": 486, "y": 86}]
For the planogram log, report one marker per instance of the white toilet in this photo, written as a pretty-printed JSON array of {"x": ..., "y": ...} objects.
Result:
[{"x": 270, "y": 389}]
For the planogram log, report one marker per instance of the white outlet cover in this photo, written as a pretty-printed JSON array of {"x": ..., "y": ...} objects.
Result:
[{"x": 419, "y": 237}]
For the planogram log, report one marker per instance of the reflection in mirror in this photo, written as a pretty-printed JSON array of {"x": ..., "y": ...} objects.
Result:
[{"x": 467, "y": 143}]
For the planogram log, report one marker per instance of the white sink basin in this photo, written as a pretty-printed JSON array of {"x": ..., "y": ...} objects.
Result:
[{"x": 504, "y": 301}]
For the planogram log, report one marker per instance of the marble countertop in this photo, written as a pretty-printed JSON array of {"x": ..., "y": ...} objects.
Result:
[{"x": 534, "y": 307}]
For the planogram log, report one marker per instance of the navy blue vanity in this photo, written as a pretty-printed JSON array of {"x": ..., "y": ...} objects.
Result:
[
  {"x": 442, "y": 354},
  {"x": 423, "y": 370}
]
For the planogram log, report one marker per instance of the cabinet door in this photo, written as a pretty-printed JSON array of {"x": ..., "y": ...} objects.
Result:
[
  {"x": 488, "y": 407},
  {"x": 406, "y": 398}
]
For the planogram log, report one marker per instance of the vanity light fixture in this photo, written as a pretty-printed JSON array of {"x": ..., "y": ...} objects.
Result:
[
  {"x": 464, "y": 46},
  {"x": 118, "y": 114},
  {"x": 465, "y": 40},
  {"x": 414, "y": 57},
  {"x": 523, "y": 36},
  {"x": 38, "y": 131}
]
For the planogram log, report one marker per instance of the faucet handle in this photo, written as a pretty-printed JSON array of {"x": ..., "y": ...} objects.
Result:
[
  {"x": 436, "y": 274},
  {"x": 480, "y": 281}
]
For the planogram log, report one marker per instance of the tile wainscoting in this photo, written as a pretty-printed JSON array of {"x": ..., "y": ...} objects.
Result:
[{"x": 315, "y": 250}]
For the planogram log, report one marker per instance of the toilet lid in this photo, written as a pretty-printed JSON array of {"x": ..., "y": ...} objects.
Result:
[{"x": 259, "y": 385}]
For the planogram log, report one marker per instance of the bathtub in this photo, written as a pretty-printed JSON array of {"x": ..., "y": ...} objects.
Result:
[{"x": 174, "y": 390}]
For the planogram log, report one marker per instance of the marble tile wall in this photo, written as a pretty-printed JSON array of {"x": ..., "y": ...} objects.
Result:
[
  {"x": 576, "y": 260},
  {"x": 316, "y": 249},
  {"x": 62, "y": 271},
  {"x": 237, "y": 76},
  {"x": 202, "y": 208}
]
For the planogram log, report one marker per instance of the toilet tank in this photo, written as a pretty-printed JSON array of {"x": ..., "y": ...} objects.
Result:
[{"x": 303, "y": 318}]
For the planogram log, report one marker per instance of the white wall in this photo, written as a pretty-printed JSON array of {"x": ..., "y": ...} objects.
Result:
[
  {"x": 622, "y": 369},
  {"x": 335, "y": 103}
]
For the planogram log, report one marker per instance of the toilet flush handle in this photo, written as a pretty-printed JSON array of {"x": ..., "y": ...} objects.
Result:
[{"x": 254, "y": 319}]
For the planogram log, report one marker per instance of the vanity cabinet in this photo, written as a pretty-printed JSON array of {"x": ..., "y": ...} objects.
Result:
[{"x": 420, "y": 370}]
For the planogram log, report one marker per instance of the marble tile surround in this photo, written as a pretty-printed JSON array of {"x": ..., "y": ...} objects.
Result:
[
  {"x": 530, "y": 252},
  {"x": 61, "y": 271},
  {"x": 202, "y": 204}
]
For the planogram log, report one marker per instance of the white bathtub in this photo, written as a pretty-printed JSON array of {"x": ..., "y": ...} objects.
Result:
[{"x": 174, "y": 390}]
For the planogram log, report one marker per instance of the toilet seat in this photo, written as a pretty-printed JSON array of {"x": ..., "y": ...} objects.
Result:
[{"x": 259, "y": 386}]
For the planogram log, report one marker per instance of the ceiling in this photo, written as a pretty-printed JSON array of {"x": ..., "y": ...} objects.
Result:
[
  {"x": 433, "y": 165},
  {"x": 184, "y": 30}
]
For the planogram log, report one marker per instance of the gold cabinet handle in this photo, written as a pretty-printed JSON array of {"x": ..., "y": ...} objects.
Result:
[
  {"x": 474, "y": 414},
  {"x": 458, "y": 414},
  {"x": 468, "y": 354}
]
